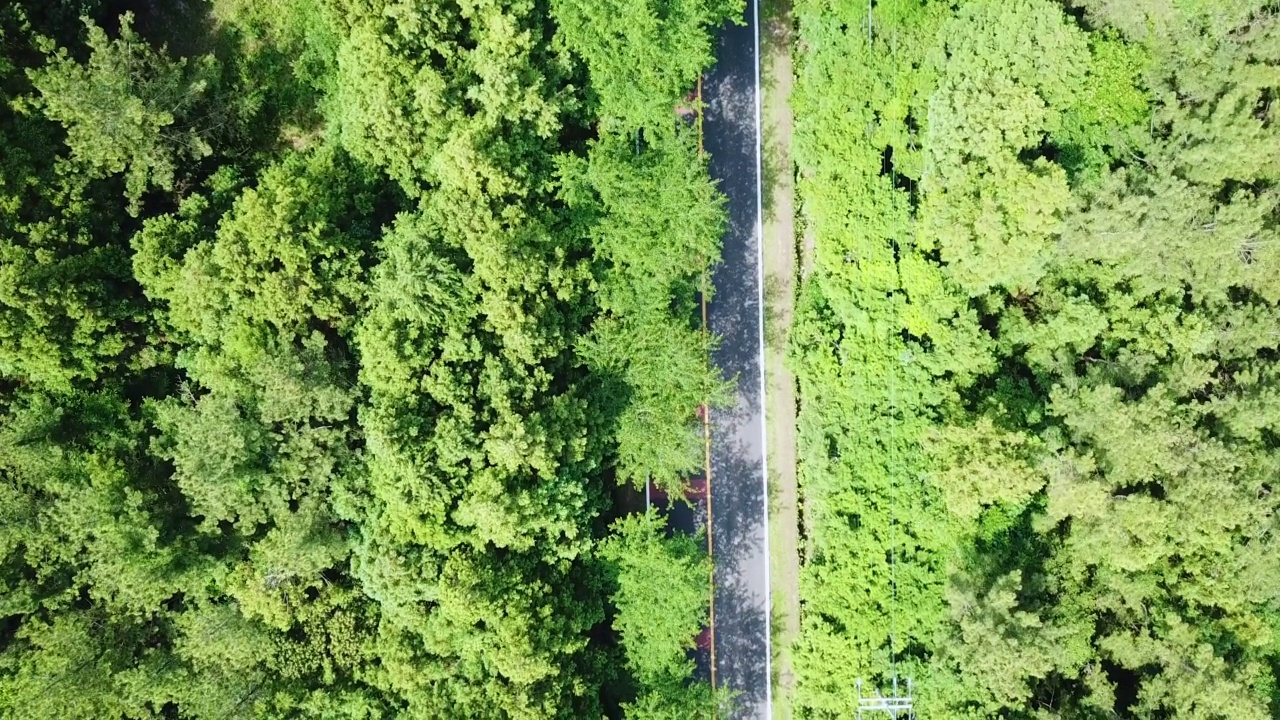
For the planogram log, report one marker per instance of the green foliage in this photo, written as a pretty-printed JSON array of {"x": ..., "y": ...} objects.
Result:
[
  {"x": 407, "y": 98},
  {"x": 68, "y": 668},
  {"x": 1011, "y": 68},
  {"x": 78, "y": 333},
  {"x": 660, "y": 221},
  {"x": 675, "y": 700},
  {"x": 982, "y": 465},
  {"x": 642, "y": 55},
  {"x": 1105, "y": 118},
  {"x": 286, "y": 258},
  {"x": 661, "y": 596},
  {"x": 1055, "y": 315},
  {"x": 662, "y": 603},
  {"x": 128, "y": 110},
  {"x": 54, "y": 233},
  {"x": 327, "y": 426},
  {"x": 295, "y": 38}
]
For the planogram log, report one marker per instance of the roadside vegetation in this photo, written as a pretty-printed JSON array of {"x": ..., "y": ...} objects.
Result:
[
  {"x": 1037, "y": 357},
  {"x": 327, "y": 328}
]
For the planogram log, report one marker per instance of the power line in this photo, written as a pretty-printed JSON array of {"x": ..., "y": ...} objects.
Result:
[{"x": 896, "y": 705}]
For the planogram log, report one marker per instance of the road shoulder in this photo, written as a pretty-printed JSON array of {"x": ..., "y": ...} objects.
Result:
[{"x": 780, "y": 268}]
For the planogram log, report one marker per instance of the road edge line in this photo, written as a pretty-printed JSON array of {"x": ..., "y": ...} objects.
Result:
[
  {"x": 764, "y": 440},
  {"x": 706, "y": 431}
]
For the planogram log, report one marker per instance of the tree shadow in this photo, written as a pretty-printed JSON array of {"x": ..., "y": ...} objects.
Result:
[
  {"x": 738, "y": 502},
  {"x": 777, "y": 33},
  {"x": 738, "y": 527},
  {"x": 186, "y": 27},
  {"x": 775, "y": 334}
]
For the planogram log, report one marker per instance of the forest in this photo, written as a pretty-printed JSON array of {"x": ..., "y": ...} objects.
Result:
[
  {"x": 1037, "y": 357},
  {"x": 332, "y": 333},
  {"x": 337, "y": 337}
]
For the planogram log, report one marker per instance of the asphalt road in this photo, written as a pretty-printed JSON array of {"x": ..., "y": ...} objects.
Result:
[{"x": 739, "y": 505}]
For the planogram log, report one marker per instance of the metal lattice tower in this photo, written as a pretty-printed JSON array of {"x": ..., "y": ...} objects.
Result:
[{"x": 895, "y": 706}]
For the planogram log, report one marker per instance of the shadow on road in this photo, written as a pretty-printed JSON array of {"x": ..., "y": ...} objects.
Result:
[
  {"x": 741, "y": 600},
  {"x": 739, "y": 522}
]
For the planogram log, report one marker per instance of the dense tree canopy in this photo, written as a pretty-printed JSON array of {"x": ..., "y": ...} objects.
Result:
[
  {"x": 332, "y": 331},
  {"x": 129, "y": 110},
  {"x": 315, "y": 384},
  {"x": 1045, "y": 276}
]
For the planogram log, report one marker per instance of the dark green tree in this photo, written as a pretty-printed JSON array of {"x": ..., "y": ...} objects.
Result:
[{"x": 129, "y": 109}]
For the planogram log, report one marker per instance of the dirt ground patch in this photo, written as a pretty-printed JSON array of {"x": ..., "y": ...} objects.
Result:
[{"x": 780, "y": 271}]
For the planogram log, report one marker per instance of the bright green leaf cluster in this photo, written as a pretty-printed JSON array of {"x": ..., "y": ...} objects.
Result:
[
  {"x": 319, "y": 325},
  {"x": 1034, "y": 358}
]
